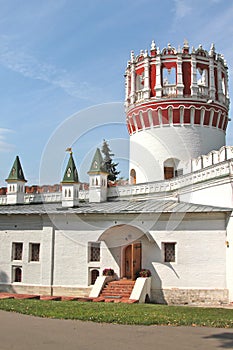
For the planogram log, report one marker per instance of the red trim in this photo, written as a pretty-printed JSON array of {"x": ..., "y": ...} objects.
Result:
[
  {"x": 207, "y": 118},
  {"x": 197, "y": 117},
  {"x": 186, "y": 116},
  {"x": 165, "y": 116},
  {"x": 152, "y": 79},
  {"x": 186, "y": 69},
  {"x": 215, "y": 119},
  {"x": 225, "y": 123},
  {"x": 138, "y": 122},
  {"x": 155, "y": 116},
  {"x": 176, "y": 116},
  {"x": 221, "y": 121},
  {"x": 146, "y": 119}
]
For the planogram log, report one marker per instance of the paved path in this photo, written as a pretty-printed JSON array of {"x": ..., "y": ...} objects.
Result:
[{"x": 20, "y": 332}]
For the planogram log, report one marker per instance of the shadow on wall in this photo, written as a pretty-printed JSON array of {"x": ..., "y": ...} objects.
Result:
[
  {"x": 4, "y": 283},
  {"x": 153, "y": 250}
]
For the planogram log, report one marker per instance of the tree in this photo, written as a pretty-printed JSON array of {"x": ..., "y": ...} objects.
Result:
[{"x": 109, "y": 165}]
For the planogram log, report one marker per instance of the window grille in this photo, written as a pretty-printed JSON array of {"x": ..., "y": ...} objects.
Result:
[
  {"x": 17, "y": 251},
  {"x": 169, "y": 252},
  {"x": 95, "y": 252},
  {"x": 34, "y": 252}
]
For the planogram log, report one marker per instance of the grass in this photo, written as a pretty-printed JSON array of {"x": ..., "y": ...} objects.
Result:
[{"x": 135, "y": 314}]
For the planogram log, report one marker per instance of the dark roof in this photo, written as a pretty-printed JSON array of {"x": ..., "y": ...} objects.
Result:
[
  {"x": 97, "y": 165},
  {"x": 71, "y": 173},
  {"x": 114, "y": 207},
  {"x": 16, "y": 173}
]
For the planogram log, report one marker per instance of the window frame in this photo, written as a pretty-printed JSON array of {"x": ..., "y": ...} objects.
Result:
[
  {"x": 13, "y": 251},
  {"x": 91, "y": 247},
  {"x": 31, "y": 253},
  {"x": 165, "y": 246},
  {"x": 14, "y": 268}
]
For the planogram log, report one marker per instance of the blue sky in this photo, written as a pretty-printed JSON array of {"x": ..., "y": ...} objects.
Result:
[{"x": 59, "y": 58}]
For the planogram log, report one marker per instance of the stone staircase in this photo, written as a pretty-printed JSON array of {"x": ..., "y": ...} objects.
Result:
[{"x": 117, "y": 292}]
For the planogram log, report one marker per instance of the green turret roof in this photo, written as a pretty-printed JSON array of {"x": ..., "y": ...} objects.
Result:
[
  {"x": 97, "y": 165},
  {"x": 16, "y": 173},
  {"x": 71, "y": 173}
]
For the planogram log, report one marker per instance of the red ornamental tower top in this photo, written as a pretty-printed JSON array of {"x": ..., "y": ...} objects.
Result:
[{"x": 176, "y": 87}]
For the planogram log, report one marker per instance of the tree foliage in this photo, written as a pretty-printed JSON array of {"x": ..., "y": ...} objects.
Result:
[{"x": 109, "y": 164}]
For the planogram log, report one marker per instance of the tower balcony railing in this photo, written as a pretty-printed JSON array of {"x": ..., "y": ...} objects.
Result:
[
  {"x": 169, "y": 90},
  {"x": 139, "y": 95},
  {"x": 203, "y": 91}
]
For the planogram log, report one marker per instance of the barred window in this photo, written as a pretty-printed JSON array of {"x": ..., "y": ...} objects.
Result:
[
  {"x": 17, "y": 251},
  {"x": 169, "y": 252},
  {"x": 34, "y": 252},
  {"x": 95, "y": 251}
]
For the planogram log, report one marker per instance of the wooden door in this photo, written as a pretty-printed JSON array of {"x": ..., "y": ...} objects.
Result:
[
  {"x": 128, "y": 262},
  {"x": 168, "y": 172},
  {"x": 132, "y": 261},
  {"x": 136, "y": 259}
]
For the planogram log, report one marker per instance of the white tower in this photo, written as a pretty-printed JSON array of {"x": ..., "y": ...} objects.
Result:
[
  {"x": 177, "y": 109},
  {"x": 16, "y": 184},
  {"x": 98, "y": 176}
]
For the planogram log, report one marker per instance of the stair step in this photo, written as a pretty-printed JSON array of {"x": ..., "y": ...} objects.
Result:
[{"x": 117, "y": 292}]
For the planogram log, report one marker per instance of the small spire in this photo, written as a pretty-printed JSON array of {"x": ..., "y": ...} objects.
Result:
[
  {"x": 141, "y": 52},
  {"x": 153, "y": 46},
  {"x": 169, "y": 46},
  {"x": 186, "y": 44},
  {"x": 193, "y": 49},
  {"x": 158, "y": 50},
  {"x": 146, "y": 53},
  {"x": 16, "y": 173},
  {"x": 71, "y": 173},
  {"x": 132, "y": 56},
  {"x": 97, "y": 164}
]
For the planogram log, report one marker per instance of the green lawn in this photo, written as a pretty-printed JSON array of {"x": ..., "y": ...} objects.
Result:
[{"x": 140, "y": 314}]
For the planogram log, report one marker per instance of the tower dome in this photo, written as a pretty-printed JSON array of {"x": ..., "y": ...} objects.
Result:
[{"x": 177, "y": 106}]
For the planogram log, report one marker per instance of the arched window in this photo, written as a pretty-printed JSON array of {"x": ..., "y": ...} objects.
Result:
[
  {"x": 18, "y": 274},
  {"x": 132, "y": 177},
  {"x": 169, "y": 81},
  {"x": 94, "y": 274},
  {"x": 96, "y": 182},
  {"x": 202, "y": 77},
  {"x": 65, "y": 193},
  {"x": 69, "y": 193},
  {"x": 169, "y": 76}
]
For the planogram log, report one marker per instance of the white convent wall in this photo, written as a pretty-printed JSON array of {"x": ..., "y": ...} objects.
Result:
[
  {"x": 150, "y": 148},
  {"x": 35, "y": 274},
  {"x": 217, "y": 194},
  {"x": 200, "y": 241}
]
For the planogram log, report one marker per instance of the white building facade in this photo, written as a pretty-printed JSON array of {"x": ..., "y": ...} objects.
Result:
[{"x": 174, "y": 219}]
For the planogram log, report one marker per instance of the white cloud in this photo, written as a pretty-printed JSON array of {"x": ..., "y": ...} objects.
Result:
[
  {"x": 29, "y": 66},
  {"x": 4, "y": 145},
  {"x": 182, "y": 8}
]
